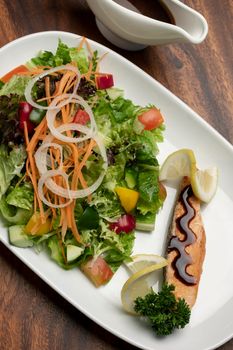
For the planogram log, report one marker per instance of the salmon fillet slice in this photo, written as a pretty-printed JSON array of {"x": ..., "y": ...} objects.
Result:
[{"x": 186, "y": 245}]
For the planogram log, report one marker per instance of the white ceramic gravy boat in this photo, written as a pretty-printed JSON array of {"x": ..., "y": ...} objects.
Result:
[{"x": 123, "y": 25}]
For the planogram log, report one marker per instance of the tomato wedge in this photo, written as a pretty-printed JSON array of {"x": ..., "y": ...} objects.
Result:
[
  {"x": 18, "y": 70},
  {"x": 151, "y": 119},
  {"x": 81, "y": 117}
]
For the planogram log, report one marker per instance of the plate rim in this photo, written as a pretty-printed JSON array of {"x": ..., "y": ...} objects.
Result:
[{"x": 196, "y": 116}]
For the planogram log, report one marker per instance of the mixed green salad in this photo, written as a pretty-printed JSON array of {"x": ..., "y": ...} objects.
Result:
[{"x": 78, "y": 166}]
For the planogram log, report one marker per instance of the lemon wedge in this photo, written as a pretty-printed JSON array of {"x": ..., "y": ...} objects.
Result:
[
  {"x": 178, "y": 164},
  {"x": 204, "y": 183},
  {"x": 141, "y": 261},
  {"x": 140, "y": 283},
  {"x": 183, "y": 163}
]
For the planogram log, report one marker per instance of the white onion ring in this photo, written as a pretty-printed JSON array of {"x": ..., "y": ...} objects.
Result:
[
  {"x": 60, "y": 191},
  {"x": 51, "y": 116},
  {"x": 57, "y": 132},
  {"x": 44, "y": 179},
  {"x": 41, "y": 156},
  {"x": 28, "y": 90}
]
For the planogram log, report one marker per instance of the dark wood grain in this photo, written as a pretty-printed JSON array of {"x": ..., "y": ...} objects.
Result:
[{"x": 32, "y": 315}]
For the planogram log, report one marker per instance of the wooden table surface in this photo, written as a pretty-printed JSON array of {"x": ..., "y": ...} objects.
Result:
[{"x": 32, "y": 315}]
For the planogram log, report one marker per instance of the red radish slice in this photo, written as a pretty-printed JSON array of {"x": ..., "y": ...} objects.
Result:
[
  {"x": 126, "y": 223},
  {"x": 24, "y": 112},
  {"x": 104, "y": 81}
]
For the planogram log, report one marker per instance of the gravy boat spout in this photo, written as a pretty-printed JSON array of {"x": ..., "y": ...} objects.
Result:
[{"x": 123, "y": 25}]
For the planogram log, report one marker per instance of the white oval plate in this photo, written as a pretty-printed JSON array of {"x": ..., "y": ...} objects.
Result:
[{"x": 211, "y": 321}]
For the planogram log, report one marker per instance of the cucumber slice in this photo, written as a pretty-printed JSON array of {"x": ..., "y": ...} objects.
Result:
[
  {"x": 131, "y": 178},
  {"x": 145, "y": 222},
  {"x": 73, "y": 252},
  {"x": 18, "y": 237},
  {"x": 114, "y": 93}
]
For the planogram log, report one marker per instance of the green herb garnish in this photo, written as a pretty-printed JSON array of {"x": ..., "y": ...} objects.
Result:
[{"x": 164, "y": 312}]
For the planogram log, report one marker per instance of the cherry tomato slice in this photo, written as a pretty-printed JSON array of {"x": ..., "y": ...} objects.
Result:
[
  {"x": 81, "y": 117},
  {"x": 151, "y": 119}
]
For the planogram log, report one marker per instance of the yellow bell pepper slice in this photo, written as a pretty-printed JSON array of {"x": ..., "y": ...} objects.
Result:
[
  {"x": 128, "y": 198},
  {"x": 36, "y": 227}
]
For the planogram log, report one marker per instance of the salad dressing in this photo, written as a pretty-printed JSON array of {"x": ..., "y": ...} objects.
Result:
[{"x": 183, "y": 224}]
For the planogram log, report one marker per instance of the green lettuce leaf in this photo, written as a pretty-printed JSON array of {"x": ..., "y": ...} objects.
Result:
[
  {"x": 147, "y": 148},
  {"x": 21, "y": 196},
  {"x": 63, "y": 55},
  {"x": 148, "y": 187},
  {"x": 56, "y": 251},
  {"x": 123, "y": 109},
  {"x": 115, "y": 257},
  {"x": 13, "y": 215},
  {"x": 11, "y": 164},
  {"x": 44, "y": 58},
  {"x": 80, "y": 57},
  {"x": 114, "y": 119},
  {"x": 106, "y": 203},
  {"x": 114, "y": 175},
  {"x": 158, "y": 133},
  {"x": 114, "y": 248},
  {"x": 16, "y": 85}
]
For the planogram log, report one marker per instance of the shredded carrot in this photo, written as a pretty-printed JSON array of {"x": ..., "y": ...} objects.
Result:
[
  {"x": 47, "y": 89},
  {"x": 63, "y": 81},
  {"x": 26, "y": 133},
  {"x": 32, "y": 175},
  {"x": 87, "y": 155},
  {"x": 76, "y": 154},
  {"x": 29, "y": 174},
  {"x": 62, "y": 250},
  {"x": 33, "y": 142},
  {"x": 64, "y": 228},
  {"x": 70, "y": 83},
  {"x": 21, "y": 180},
  {"x": 34, "y": 71},
  {"x": 49, "y": 200},
  {"x": 88, "y": 74},
  {"x": 89, "y": 47},
  {"x": 81, "y": 44},
  {"x": 67, "y": 81},
  {"x": 100, "y": 59},
  {"x": 100, "y": 74}
]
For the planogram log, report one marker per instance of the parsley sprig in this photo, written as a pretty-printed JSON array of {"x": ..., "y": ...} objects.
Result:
[{"x": 164, "y": 312}]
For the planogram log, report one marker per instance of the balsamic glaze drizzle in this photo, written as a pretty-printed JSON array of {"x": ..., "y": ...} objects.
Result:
[{"x": 183, "y": 223}]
